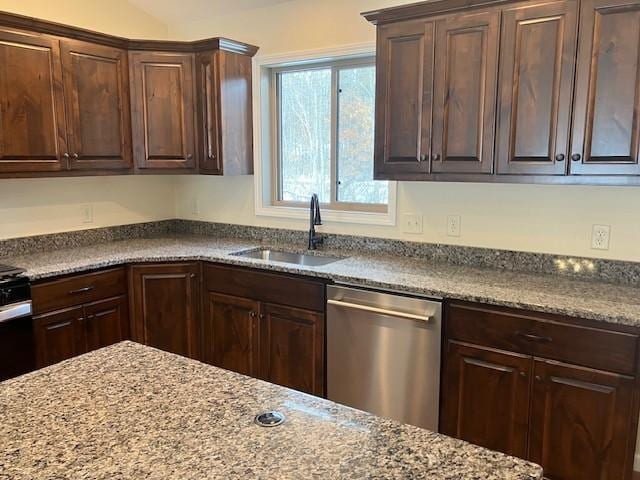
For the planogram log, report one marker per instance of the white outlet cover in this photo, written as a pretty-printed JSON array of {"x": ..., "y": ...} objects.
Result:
[
  {"x": 411, "y": 223},
  {"x": 600, "y": 236},
  {"x": 86, "y": 213},
  {"x": 453, "y": 225}
]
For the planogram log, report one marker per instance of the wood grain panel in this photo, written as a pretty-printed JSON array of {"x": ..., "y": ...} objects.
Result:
[
  {"x": 163, "y": 110},
  {"x": 606, "y": 130},
  {"x": 486, "y": 397},
  {"x": 32, "y": 120},
  {"x": 404, "y": 98},
  {"x": 465, "y": 93},
  {"x": 231, "y": 333},
  {"x": 581, "y": 422},
  {"x": 293, "y": 348},
  {"x": 58, "y": 336},
  {"x": 106, "y": 321},
  {"x": 537, "y": 60},
  {"x": 98, "y": 112}
]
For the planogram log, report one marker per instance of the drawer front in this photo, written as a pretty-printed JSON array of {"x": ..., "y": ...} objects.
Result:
[
  {"x": 265, "y": 287},
  {"x": 78, "y": 289},
  {"x": 542, "y": 337}
]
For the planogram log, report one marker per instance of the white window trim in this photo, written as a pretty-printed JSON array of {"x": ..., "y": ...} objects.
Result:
[{"x": 262, "y": 138}]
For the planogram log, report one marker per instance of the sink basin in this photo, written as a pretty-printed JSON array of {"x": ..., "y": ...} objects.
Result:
[{"x": 288, "y": 257}]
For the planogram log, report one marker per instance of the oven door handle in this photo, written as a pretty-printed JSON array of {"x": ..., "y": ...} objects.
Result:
[{"x": 15, "y": 310}]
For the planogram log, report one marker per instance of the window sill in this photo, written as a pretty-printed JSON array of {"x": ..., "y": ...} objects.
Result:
[{"x": 338, "y": 216}]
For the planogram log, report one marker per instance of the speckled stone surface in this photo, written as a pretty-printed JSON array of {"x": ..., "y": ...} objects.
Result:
[
  {"x": 545, "y": 293},
  {"x": 132, "y": 412}
]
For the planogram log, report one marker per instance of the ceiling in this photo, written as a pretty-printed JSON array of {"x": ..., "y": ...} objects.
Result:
[{"x": 171, "y": 11}]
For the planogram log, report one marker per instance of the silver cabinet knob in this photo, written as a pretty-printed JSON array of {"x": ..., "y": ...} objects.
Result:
[
  {"x": 560, "y": 157},
  {"x": 65, "y": 155}
]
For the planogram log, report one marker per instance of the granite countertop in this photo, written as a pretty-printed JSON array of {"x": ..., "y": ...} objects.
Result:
[
  {"x": 130, "y": 411},
  {"x": 540, "y": 292}
]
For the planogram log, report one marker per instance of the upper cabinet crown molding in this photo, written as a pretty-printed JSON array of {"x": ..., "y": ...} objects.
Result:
[{"x": 52, "y": 28}]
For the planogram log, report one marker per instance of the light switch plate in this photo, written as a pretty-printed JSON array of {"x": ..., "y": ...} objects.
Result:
[
  {"x": 600, "y": 237},
  {"x": 453, "y": 225},
  {"x": 411, "y": 223},
  {"x": 86, "y": 213}
]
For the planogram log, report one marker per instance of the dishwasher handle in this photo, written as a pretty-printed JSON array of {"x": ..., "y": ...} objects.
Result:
[{"x": 381, "y": 311}]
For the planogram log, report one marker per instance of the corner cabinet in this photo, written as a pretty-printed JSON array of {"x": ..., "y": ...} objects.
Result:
[
  {"x": 558, "y": 391},
  {"x": 75, "y": 102},
  {"x": 509, "y": 91},
  {"x": 165, "y": 305},
  {"x": 265, "y": 325}
]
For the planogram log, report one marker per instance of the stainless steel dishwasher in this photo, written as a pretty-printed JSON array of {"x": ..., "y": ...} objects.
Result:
[{"x": 383, "y": 353}]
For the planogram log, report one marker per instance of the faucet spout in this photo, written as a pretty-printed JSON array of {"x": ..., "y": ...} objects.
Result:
[{"x": 314, "y": 219}]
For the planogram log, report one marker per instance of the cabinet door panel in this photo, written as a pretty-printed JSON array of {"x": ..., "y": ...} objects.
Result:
[
  {"x": 465, "y": 93},
  {"x": 293, "y": 348},
  {"x": 32, "y": 122},
  {"x": 404, "y": 98},
  {"x": 58, "y": 336},
  {"x": 486, "y": 397},
  {"x": 582, "y": 422},
  {"x": 537, "y": 66},
  {"x": 165, "y": 307},
  {"x": 106, "y": 322},
  {"x": 606, "y": 129},
  {"x": 163, "y": 110},
  {"x": 98, "y": 113},
  {"x": 231, "y": 333}
]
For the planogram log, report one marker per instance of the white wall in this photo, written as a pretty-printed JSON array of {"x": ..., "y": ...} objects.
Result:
[
  {"x": 540, "y": 218},
  {"x": 36, "y": 206}
]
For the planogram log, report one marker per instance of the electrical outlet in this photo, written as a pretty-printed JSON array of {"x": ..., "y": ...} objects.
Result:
[
  {"x": 411, "y": 223},
  {"x": 600, "y": 237},
  {"x": 86, "y": 213},
  {"x": 453, "y": 225}
]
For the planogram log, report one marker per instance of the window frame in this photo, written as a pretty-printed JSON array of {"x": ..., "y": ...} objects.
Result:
[{"x": 336, "y": 66}]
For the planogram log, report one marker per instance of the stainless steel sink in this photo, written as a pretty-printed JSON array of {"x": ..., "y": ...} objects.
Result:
[{"x": 288, "y": 257}]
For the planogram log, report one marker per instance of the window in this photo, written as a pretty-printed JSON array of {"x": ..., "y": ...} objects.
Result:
[{"x": 323, "y": 136}]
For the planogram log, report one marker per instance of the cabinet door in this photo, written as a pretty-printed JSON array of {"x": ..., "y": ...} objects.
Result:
[
  {"x": 485, "y": 397},
  {"x": 59, "y": 335},
  {"x": 162, "y": 102},
  {"x": 465, "y": 93},
  {"x": 293, "y": 348},
  {"x": 606, "y": 119},
  {"x": 97, "y": 99},
  {"x": 581, "y": 423},
  {"x": 32, "y": 122},
  {"x": 404, "y": 98},
  {"x": 231, "y": 332},
  {"x": 537, "y": 61},
  {"x": 106, "y": 322},
  {"x": 165, "y": 307}
]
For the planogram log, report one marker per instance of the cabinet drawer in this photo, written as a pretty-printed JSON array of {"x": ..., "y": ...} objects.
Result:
[
  {"x": 542, "y": 336},
  {"x": 78, "y": 289},
  {"x": 265, "y": 287}
]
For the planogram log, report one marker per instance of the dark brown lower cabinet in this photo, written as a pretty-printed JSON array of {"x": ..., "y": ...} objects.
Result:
[
  {"x": 164, "y": 304},
  {"x": 265, "y": 325},
  {"x": 487, "y": 397},
  {"x": 574, "y": 414},
  {"x": 231, "y": 333},
  {"x": 293, "y": 348},
  {"x": 580, "y": 423},
  {"x": 63, "y": 334}
]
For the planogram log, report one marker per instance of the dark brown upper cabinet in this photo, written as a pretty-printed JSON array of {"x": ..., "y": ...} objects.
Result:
[
  {"x": 465, "y": 93},
  {"x": 225, "y": 113},
  {"x": 538, "y": 46},
  {"x": 404, "y": 98},
  {"x": 162, "y": 102},
  {"x": 96, "y": 86},
  {"x": 32, "y": 120},
  {"x": 561, "y": 104},
  {"x": 606, "y": 117}
]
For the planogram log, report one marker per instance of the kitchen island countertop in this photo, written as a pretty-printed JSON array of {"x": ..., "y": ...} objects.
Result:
[{"x": 130, "y": 411}]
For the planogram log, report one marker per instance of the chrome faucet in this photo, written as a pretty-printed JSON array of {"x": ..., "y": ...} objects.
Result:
[{"x": 314, "y": 219}]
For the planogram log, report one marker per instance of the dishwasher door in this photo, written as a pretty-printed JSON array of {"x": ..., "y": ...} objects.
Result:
[{"x": 383, "y": 354}]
